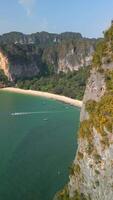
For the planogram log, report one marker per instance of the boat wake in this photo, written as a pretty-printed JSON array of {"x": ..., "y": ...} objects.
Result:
[{"x": 31, "y": 113}]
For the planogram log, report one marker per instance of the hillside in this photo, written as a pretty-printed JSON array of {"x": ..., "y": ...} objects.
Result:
[
  {"x": 91, "y": 174},
  {"x": 42, "y": 54},
  {"x": 71, "y": 84}
]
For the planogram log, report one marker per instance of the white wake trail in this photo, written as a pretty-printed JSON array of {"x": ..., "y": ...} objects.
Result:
[
  {"x": 31, "y": 113},
  {"x": 28, "y": 113}
]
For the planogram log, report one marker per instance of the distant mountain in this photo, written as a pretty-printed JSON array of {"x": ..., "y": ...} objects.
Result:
[
  {"x": 40, "y": 54},
  {"x": 39, "y": 38}
]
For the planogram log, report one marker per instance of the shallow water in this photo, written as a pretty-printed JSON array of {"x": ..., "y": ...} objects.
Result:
[{"x": 37, "y": 146}]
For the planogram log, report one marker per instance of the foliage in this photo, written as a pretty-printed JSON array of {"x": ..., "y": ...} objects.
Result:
[
  {"x": 63, "y": 195},
  {"x": 3, "y": 79},
  {"x": 44, "y": 50},
  {"x": 71, "y": 84},
  {"x": 85, "y": 131},
  {"x": 80, "y": 156},
  {"x": 75, "y": 168},
  {"x": 109, "y": 80},
  {"x": 109, "y": 34},
  {"x": 102, "y": 114},
  {"x": 100, "y": 52},
  {"x": 104, "y": 49},
  {"x": 97, "y": 172},
  {"x": 97, "y": 157}
]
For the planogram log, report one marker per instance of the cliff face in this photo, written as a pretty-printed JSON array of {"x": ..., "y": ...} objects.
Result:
[
  {"x": 91, "y": 176},
  {"x": 44, "y": 53},
  {"x": 73, "y": 58},
  {"x": 16, "y": 70},
  {"x": 19, "y": 62},
  {"x": 4, "y": 65}
]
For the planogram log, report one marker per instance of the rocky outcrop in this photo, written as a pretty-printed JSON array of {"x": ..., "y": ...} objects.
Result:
[
  {"x": 15, "y": 71},
  {"x": 20, "y": 62},
  {"x": 95, "y": 89},
  {"x": 4, "y": 65},
  {"x": 27, "y": 56},
  {"x": 70, "y": 55},
  {"x": 89, "y": 180},
  {"x": 91, "y": 176},
  {"x": 75, "y": 56}
]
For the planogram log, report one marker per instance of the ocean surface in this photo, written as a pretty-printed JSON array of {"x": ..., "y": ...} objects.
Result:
[{"x": 37, "y": 146}]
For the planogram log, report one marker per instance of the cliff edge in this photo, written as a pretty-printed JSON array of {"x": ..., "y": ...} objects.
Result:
[{"x": 91, "y": 175}]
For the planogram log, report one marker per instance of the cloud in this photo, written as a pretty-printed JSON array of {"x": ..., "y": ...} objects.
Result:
[{"x": 28, "y": 5}]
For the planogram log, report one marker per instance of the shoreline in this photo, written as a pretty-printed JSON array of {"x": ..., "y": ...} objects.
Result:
[{"x": 48, "y": 95}]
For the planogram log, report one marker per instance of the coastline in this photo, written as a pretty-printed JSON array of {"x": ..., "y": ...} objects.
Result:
[{"x": 61, "y": 98}]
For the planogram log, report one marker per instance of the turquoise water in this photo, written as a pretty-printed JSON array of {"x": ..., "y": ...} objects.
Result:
[{"x": 37, "y": 146}]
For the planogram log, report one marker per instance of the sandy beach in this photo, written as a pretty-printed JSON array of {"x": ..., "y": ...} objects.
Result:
[{"x": 61, "y": 98}]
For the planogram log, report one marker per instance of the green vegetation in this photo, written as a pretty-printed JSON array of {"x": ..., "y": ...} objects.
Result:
[
  {"x": 101, "y": 117},
  {"x": 80, "y": 156},
  {"x": 71, "y": 84},
  {"x": 102, "y": 113},
  {"x": 109, "y": 80},
  {"x": 63, "y": 195},
  {"x": 108, "y": 35},
  {"x": 97, "y": 157},
  {"x": 3, "y": 79},
  {"x": 41, "y": 53},
  {"x": 97, "y": 172},
  {"x": 75, "y": 169},
  {"x": 85, "y": 131},
  {"x": 104, "y": 49},
  {"x": 100, "y": 52}
]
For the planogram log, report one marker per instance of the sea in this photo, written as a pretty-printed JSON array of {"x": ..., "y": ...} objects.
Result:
[{"x": 38, "y": 142}]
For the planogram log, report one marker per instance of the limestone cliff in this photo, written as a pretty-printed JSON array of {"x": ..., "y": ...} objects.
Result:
[
  {"x": 20, "y": 62},
  {"x": 26, "y": 56},
  {"x": 4, "y": 65},
  {"x": 91, "y": 175}
]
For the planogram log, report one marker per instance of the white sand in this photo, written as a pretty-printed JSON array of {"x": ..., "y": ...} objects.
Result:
[{"x": 64, "y": 99}]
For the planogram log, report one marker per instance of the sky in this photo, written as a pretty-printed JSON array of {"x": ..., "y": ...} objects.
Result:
[{"x": 89, "y": 17}]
